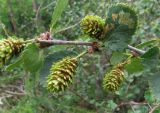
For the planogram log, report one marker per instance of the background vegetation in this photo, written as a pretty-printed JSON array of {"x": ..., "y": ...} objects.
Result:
[{"x": 22, "y": 92}]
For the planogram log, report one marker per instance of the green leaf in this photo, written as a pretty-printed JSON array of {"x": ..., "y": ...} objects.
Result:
[
  {"x": 117, "y": 57},
  {"x": 154, "y": 81},
  {"x": 118, "y": 41},
  {"x": 151, "y": 58},
  {"x": 1, "y": 37},
  {"x": 60, "y": 7},
  {"x": 122, "y": 12},
  {"x": 149, "y": 96},
  {"x": 148, "y": 43},
  {"x": 134, "y": 66},
  {"x": 17, "y": 63},
  {"x": 111, "y": 104},
  {"x": 153, "y": 52},
  {"x": 32, "y": 58}
]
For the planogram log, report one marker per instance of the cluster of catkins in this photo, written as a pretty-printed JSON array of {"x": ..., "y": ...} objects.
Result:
[{"x": 120, "y": 18}]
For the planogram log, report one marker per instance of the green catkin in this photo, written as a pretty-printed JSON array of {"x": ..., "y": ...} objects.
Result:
[
  {"x": 8, "y": 48},
  {"x": 93, "y": 26},
  {"x": 61, "y": 74},
  {"x": 114, "y": 78}
]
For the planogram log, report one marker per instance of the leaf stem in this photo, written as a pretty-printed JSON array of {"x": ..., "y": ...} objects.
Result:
[
  {"x": 67, "y": 28},
  {"x": 81, "y": 54},
  {"x": 29, "y": 41}
]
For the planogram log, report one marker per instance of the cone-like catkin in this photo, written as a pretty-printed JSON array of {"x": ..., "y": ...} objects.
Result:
[
  {"x": 8, "y": 48},
  {"x": 61, "y": 74},
  {"x": 93, "y": 26},
  {"x": 113, "y": 79}
]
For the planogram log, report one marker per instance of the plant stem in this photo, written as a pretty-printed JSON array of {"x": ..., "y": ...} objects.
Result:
[
  {"x": 139, "y": 51},
  {"x": 67, "y": 28},
  {"x": 29, "y": 41},
  {"x": 81, "y": 54},
  {"x": 62, "y": 42},
  {"x": 154, "y": 108},
  {"x": 131, "y": 103}
]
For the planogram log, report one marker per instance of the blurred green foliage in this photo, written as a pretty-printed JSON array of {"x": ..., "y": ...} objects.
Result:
[{"x": 29, "y": 18}]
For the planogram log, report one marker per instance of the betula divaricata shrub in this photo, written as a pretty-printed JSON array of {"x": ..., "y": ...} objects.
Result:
[{"x": 120, "y": 19}]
